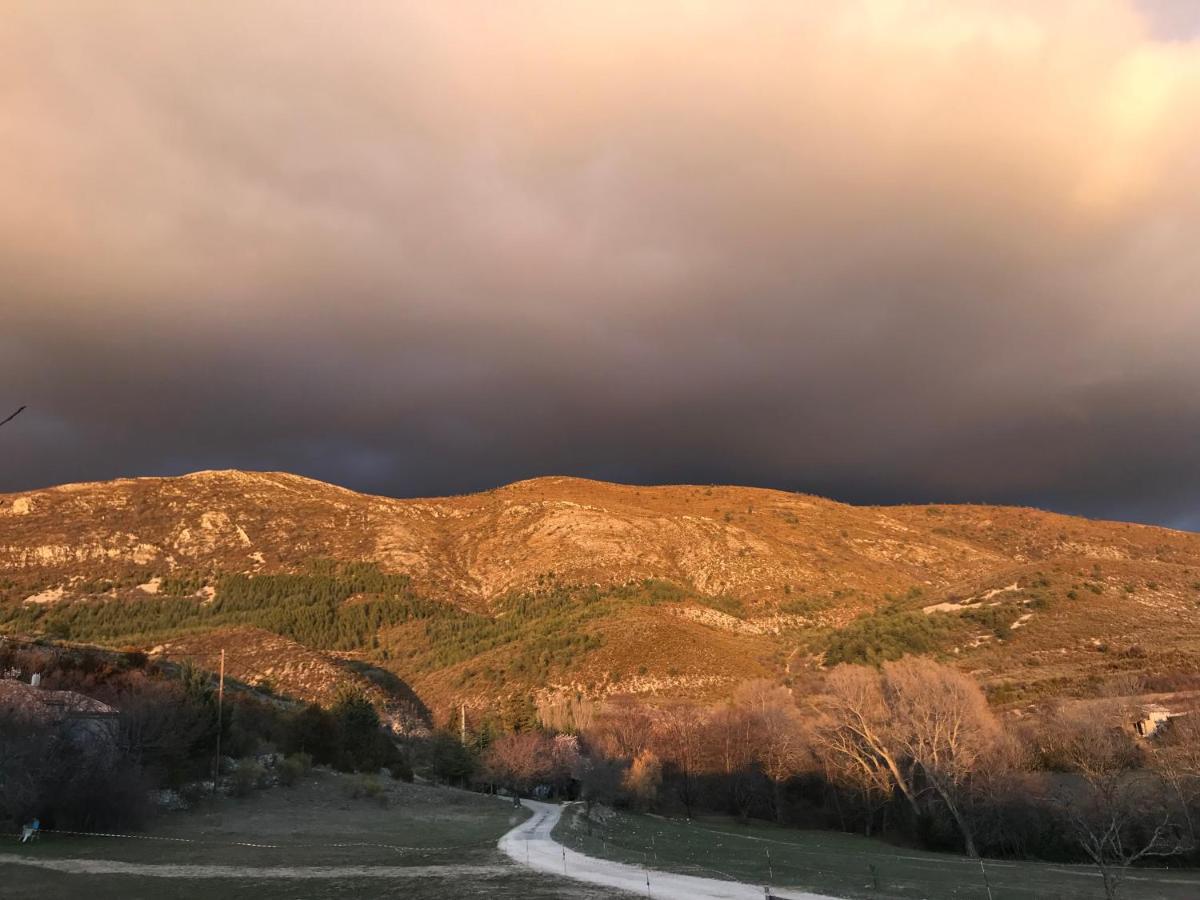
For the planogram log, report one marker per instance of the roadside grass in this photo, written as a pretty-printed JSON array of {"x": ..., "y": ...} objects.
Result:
[
  {"x": 362, "y": 847},
  {"x": 513, "y": 884},
  {"x": 838, "y": 864}
]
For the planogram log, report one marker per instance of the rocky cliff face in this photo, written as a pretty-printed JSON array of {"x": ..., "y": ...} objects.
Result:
[{"x": 758, "y": 545}]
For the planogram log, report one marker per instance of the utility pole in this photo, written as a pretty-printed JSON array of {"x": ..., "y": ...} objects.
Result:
[{"x": 220, "y": 721}]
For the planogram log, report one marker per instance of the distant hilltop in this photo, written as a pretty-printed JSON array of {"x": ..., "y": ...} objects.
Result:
[{"x": 729, "y": 581}]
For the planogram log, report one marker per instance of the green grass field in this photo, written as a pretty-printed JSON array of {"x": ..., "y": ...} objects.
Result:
[
  {"x": 842, "y": 865},
  {"x": 427, "y": 843}
]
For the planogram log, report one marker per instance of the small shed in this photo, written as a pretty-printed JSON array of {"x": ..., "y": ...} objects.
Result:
[{"x": 1153, "y": 717}]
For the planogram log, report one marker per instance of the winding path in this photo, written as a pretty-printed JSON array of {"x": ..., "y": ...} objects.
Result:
[{"x": 531, "y": 844}]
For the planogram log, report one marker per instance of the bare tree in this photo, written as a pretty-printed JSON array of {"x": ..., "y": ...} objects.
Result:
[
  {"x": 1108, "y": 818},
  {"x": 1117, "y": 811},
  {"x": 851, "y": 762},
  {"x": 644, "y": 779},
  {"x": 730, "y": 746},
  {"x": 855, "y": 734},
  {"x": 678, "y": 740},
  {"x": 1177, "y": 761},
  {"x": 944, "y": 727},
  {"x": 915, "y": 726},
  {"x": 621, "y": 729},
  {"x": 520, "y": 760},
  {"x": 777, "y": 732}
]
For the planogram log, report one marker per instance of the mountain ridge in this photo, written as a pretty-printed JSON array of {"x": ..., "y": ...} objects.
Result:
[{"x": 778, "y": 581}]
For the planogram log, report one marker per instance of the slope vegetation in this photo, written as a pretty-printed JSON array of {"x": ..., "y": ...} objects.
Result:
[{"x": 582, "y": 588}]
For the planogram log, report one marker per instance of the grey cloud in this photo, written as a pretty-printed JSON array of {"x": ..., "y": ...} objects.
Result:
[{"x": 884, "y": 252}]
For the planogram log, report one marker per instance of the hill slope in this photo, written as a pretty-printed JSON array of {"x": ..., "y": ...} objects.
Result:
[{"x": 596, "y": 587}]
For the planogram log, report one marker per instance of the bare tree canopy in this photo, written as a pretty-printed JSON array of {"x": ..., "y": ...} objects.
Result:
[{"x": 913, "y": 725}]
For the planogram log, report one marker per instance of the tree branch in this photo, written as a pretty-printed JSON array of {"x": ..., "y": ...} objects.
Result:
[{"x": 13, "y": 415}]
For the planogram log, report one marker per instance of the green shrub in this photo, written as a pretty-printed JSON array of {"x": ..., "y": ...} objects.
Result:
[
  {"x": 248, "y": 776},
  {"x": 731, "y": 606},
  {"x": 887, "y": 635},
  {"x": 802, "y": 606},
  {"x": 293, "y": 768},
  {"x": 366, "y": 787},
  {"x": 997, "y": 619}
]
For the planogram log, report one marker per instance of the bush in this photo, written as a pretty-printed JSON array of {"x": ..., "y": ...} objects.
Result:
[
  {"x": 401, "y": 769},
  {"x": 366, "y": 787},
  {"x": 880, "y": 637},
  {"x": 997, "y": 619},
  {"x": 192, "y": 793},
  {"x": 247, "y": 777},
  {"x": 293, "y": 768}
]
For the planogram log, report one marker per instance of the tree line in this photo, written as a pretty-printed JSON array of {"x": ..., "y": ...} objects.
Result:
[
  {"x": 164, "y": 736},
  {"x": 908, "y": 750}
]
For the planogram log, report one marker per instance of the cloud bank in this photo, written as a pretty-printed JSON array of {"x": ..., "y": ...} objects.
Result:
[{"x": 881, "y": 250}]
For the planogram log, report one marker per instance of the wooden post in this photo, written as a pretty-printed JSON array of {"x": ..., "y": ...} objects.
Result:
[
  {"x": 462, "y": 723},
  {"x": 220, "y": 721}
]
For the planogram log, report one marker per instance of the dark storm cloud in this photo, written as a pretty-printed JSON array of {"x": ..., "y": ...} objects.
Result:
[{"x": 880, "y": 250}]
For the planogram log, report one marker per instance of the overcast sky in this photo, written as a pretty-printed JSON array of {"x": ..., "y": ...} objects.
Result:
[{"x": 888, "y": 250}]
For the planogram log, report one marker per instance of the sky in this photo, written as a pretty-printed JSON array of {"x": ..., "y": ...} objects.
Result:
[{"x": 878, "y": 250}]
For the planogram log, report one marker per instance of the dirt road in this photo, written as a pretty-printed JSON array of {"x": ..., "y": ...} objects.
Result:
[{"x": 531, "y": 844}]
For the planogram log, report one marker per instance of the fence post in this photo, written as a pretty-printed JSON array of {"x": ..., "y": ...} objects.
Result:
[
  {"x": 770, "y": 868},
  {"x": 874, "y": 876}
]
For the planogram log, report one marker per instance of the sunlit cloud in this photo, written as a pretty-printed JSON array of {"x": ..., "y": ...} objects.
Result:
[{"x": 887, "y": 250}]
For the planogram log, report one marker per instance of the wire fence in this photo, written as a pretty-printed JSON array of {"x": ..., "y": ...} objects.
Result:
[{"x": 832, "y": 864}]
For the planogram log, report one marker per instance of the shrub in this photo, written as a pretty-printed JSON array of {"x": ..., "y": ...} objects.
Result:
[
  {"x": 247, "y": 777},
  {"x": 997, "y": 619},
  {"x": 880, "y": 637},
  {"x": 366, "y": 787},
  {"x": 802, "y": 606},
  {"x": 293, "y": 768},
  {"x": 401, "y": 769}
]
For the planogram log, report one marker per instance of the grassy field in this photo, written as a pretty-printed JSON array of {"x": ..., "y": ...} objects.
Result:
[
  {"x": 310, "y": 841},
  {"x": 840, "y": 864}
]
